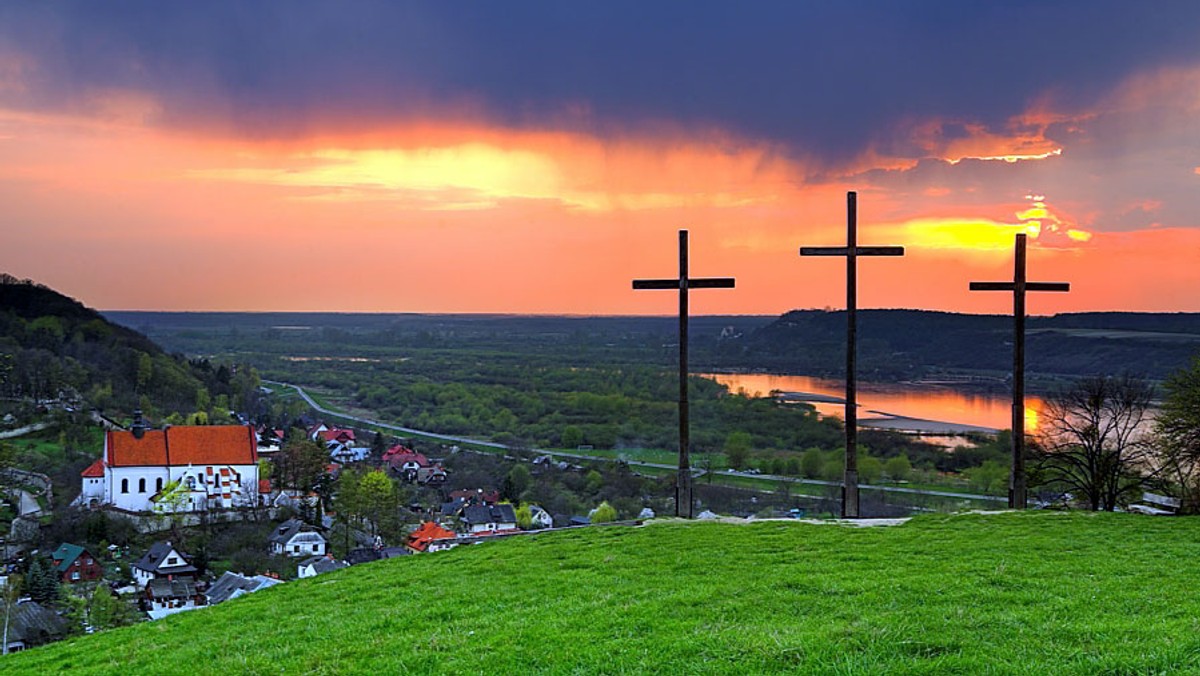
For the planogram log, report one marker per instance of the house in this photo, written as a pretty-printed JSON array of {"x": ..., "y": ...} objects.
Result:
[
  {"x": 413, "y": 466},
  {"x": 162, "y": 562},
  {"x": 326, "y": 434},
  {"x": 30, "y": 624},
  {"x": 169, "y": 596},
  {"x": 430, "y": 537},
  {"x": 73, "y": 563},
  {"x": 540, "y": 517},
  {"x": 232, "y": 585},
  {"x": 316, "y": 565},
  {"x": 453, "y": 509},
  {"x": 270, "y": 440},
  {"x": 296, "y": 538},
  {"x": 345, "y": 453},
  {"x": 489, "y": 519},
  {"x": 216, "y": 467}
]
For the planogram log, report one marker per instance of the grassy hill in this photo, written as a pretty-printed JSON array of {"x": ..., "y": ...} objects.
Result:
[{"x": 1005, "y": 593}]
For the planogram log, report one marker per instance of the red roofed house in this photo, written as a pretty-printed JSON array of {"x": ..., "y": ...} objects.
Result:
[
  {"x": 217, "y": 466},
  {"x": 430, "y": 537}
]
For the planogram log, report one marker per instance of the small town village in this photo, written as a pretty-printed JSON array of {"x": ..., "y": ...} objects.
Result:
[{"x": 165, "y": 483}]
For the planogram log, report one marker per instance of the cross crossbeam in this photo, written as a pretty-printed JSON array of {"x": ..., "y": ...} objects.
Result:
[
  {"x": 684, "y": 503},
  {"x": 1017, "y": 492},
  {"x": 850, "y": 503}
]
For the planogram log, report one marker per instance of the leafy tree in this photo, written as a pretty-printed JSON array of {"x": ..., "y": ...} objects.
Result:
[
  {"x": 869, "y": 469},
  {"x": 1177, "y": 432},
  {"x": 811, "y": 463},
  {"x": 376, "y": 497},
  {"x": 990, "y": 477},
  {"x": 593, "y": 481},
  {"x": 520, "y": 479},
  {"x": 604, "y": 513},
  {"x": 524, "y": 516},
  {"x": 737, "y": 449},
  {"x": 898, "y": 468},
  {"x": 1092, "y": 442},
  {"x": 301, "y": 463},
  {"x": 572, "y": 437}
]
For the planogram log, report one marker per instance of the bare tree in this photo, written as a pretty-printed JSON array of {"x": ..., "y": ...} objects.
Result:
[{"x": 1093, "y": 438}]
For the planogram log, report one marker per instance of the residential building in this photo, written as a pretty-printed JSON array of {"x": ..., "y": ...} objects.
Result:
[
  {"x": 162, "y": 561},
  {"x": 296, "y": 538},
  {"x": 73, "y": 563},
  {"x": 232, "y": 585},
  {"x": 169, "y": 596},
  {"x": 489, "y": 519},
  {"x": 316, "y": 565}
]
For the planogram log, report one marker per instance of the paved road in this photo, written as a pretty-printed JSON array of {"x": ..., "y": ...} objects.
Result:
[
  {"x": 576, "y": 456},
  {"x": 22, "y": 431}
]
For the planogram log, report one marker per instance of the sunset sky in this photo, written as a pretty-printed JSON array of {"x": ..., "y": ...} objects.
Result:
[{"x": 537, "y": 156}]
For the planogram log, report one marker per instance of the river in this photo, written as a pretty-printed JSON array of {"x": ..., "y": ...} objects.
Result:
[{"x": 886, "y": 400}]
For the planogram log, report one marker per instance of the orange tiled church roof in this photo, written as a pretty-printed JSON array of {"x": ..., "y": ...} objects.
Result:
[{"x": 184, "y": 445}]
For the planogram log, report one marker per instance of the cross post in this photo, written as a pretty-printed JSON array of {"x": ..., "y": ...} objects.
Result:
[
  {"x": 850, "y": 502},
  {"x": 1018, "y": 497},
  {"x": 684, "y": 503}
]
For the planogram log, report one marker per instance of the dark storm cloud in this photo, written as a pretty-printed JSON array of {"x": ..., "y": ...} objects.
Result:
[{"x": 825, "y": 78}]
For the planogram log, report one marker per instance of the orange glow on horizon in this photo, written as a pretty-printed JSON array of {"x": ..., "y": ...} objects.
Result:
[{"x": 468, "y": 216}]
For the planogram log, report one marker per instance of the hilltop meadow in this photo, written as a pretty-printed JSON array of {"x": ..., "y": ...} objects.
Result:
[{"x": 1010, "y": 593}]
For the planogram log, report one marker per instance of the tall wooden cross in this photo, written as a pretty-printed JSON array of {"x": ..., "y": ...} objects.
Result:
[
  {"x": 1017, "y": 494},
  {"x": 851, "y": 251},
  {"x": 684, "y": 503}
]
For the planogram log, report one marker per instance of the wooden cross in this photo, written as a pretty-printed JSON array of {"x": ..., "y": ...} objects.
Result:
[
  {"x": 851, "y": 251},
  {"x": 683, "y": 485},
  {"x": 1017, "y": 494}
]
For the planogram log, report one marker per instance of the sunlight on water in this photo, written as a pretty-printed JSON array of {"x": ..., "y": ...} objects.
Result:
[{"x": 915, "y": 401}]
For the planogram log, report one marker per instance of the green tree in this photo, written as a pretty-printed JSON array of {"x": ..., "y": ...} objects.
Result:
[
  {"x": 898, "y": 468},
  {"x": 811, "y": 463},
  {"x": 145, "y": 371},
  {"x": 1177, "y": 433},
  {"x": 593, "y": 481},
  {"x": 572, "y": 437},
  {"x": 990, "y": 477},
  {"x": 604, "y": 513},
  {"x": 869, "y": 469},
  {"x": 377, "y": 498},
  {"x": 737, "y": 449},
  {"x": 524, "y": 516},
  {"x": 301, "y": 463},
  {"x": 520, "y": 478}
]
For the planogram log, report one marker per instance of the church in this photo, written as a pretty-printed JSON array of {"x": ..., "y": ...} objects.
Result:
[{"x": 216, "y": 467}]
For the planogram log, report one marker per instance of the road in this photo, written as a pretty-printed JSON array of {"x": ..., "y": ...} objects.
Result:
[{"x": 576, "y": 456}]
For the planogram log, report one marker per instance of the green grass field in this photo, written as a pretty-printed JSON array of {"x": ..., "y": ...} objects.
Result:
[{"x": 1034, "y": 593}]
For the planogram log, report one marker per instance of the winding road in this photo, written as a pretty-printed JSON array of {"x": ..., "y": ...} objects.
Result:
[{"x": 576, "y": 456}]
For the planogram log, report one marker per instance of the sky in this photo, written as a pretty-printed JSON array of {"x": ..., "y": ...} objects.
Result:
[{"x": 535, "y": 157}]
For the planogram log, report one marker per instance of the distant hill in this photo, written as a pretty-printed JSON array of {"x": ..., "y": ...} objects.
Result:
[
  {"x": 901, "y": 344},
  {"x": 52, "y": 346},
  {"x": 1015, "y": 593}
]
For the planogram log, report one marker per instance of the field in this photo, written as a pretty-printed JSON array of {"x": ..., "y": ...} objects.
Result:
[{"x": 999, "y": 593}]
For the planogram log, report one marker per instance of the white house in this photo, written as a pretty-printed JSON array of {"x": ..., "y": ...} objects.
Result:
[
  {"x": 216, "y": 467},
  {"x": 296, "y": 538},
  {"x": 162, "y": 561},
  {"x": 489, "y": 519},
  {"x": 315, "y": 565},
  {"x": 540, "y": 518}
]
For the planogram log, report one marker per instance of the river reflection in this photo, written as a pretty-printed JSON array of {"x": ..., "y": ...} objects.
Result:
[{"x": 927, "y": 402}]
